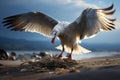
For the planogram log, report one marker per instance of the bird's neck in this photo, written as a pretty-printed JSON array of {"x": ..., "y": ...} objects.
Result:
[{"x": 61, "y": 26}]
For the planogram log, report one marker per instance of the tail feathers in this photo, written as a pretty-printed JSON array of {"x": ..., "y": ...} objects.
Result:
[{"x": 78, "y": 50}]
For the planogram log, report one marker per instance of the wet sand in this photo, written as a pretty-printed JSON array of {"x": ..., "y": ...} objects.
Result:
[{"x": 103, "y": 68}]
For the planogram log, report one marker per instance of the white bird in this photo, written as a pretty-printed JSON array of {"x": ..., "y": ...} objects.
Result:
[{"x": 89, "y": 23}]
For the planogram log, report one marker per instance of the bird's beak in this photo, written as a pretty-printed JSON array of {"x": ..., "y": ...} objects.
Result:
[{"x": 53, "y": 39}]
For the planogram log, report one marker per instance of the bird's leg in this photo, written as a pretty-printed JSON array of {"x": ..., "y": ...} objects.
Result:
[
  {"x": 60, "y": 55},
  {"x": 70, "y": 55}
]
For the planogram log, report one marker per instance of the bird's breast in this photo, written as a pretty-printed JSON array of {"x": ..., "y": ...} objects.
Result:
[{"x": 67, "y": 40}]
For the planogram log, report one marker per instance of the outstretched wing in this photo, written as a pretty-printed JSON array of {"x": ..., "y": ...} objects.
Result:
[
  {"x": 31, "y": 22},
  {"x": 93, "y": 21}
]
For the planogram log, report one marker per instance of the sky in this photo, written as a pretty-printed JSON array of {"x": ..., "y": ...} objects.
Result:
[{"x": 62, "y": 10}]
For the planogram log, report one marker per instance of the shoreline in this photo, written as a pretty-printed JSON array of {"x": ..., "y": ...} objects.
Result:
[{"x": 101, "y": 67}]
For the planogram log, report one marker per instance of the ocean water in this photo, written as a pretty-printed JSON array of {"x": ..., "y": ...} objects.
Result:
[{"x": 74, "y": 56}]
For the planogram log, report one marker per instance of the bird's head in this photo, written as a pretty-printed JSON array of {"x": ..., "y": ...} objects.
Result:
[
  {"x": 54, "y": 35},
  {"x": 58, "y": 29}
]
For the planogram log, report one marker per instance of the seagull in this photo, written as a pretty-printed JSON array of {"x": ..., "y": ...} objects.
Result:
[{"x": 89, "y": 23}]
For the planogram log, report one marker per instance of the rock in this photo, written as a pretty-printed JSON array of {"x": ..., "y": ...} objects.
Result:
[
  {"x": 73, "y": 69},
  {"x": 44, "y": 54},
  {"x": 3, "y": 55},
  {"x": 12, "y": 56},
  {"x": 23, "y": 70},
  {"x": 61, "y": 71}
]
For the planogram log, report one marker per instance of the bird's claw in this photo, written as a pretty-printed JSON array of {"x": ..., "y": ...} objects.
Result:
[
  {"x": 69, "y": 57},
  {"x": 59, "y": 56}
]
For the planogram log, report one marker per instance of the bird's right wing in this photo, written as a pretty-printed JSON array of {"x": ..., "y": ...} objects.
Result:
[
  {"x": 31, "y": 22},
  {"x": 93, "y": 21}
]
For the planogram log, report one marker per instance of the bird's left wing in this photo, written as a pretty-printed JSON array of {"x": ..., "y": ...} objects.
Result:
[
  {"x": 31, "y": 22},
  {"x": 93, "y": 21}
]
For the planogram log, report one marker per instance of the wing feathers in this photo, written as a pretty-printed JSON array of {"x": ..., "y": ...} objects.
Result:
[
  {"x": 92, "y": 21},
  {"x": 112, "y": 20},
  {"x": 11, "y": 17},
  {"x": 109, "y": 8},
  {"x": 32, "y": 22},
  {"x": 109, "y": 13}
]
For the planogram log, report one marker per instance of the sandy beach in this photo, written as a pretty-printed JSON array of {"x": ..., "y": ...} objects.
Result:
[{"x": 102, "y": 68}]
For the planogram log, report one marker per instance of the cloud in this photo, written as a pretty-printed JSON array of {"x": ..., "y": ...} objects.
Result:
[
  {"x": 81, "y": 3},
  {"x": 55, "y": 1},
  {"x": 63, "y": 1},
  {"x": 69, "y": 3},
  {"x": 76, "y": 3}
]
